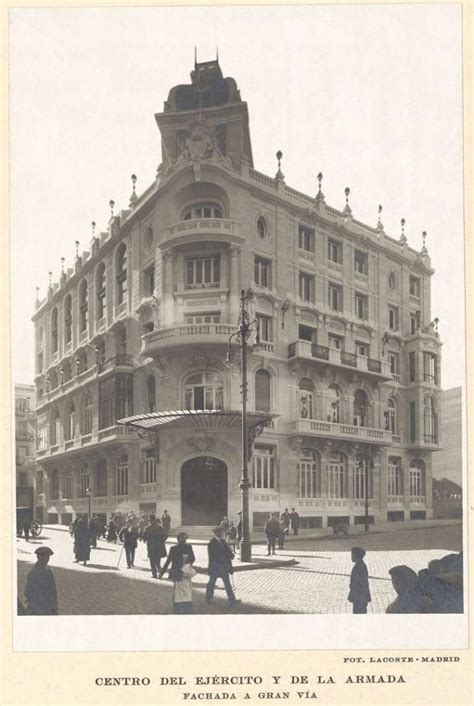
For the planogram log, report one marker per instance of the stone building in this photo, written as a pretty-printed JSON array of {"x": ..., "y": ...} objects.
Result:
[
  {"x": 348, "y": 366},
  {"x": 448, "y": 462},
  {"x": 28, "y": 498}
]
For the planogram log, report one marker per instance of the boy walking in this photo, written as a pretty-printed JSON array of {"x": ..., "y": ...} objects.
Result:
[
  {"x": 359, "y": 593},
  {"x": 183, "y": 589}
]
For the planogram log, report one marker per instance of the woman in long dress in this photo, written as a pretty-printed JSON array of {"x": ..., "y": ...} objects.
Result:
[{"x": 82, "y": 548}]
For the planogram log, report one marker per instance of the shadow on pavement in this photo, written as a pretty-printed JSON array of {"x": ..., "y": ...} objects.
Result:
[{"x": 110, "y": 593}]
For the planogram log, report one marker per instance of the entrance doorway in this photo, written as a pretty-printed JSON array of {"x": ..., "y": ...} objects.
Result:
[{"x": 203, "y": 491}]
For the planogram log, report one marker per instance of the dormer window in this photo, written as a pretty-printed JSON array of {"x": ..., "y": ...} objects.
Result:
[{"x": 202, "y": 210}]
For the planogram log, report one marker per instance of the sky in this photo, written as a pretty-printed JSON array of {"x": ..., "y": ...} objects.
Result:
[{"x": 369, "y": 95}]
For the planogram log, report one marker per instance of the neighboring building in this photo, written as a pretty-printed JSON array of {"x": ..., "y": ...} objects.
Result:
[
  {"x": 448, "y": 462},
  {"x": 27, "y": 474},
  {"x": 447, "y": 499},
  {"x": 349, "y": 358}
]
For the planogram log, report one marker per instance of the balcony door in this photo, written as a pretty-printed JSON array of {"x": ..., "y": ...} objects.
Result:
[{"x": 203, "y": 491}]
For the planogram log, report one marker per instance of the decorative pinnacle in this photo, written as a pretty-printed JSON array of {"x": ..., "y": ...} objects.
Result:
[
  {"x": 134, "y": 181},
  {"x": 37, "y": 293},
  {"x": 50, "y": 275},
  {"x": 403, "y": 238},
  {"x": 279, "y": 174},
  {"x": 93, "y": 228},
  {"x": 77, "y": 248},
  {"x": 347, "y": 209},
  {"x": 424, "y": 234},
  {"x": 320, "y": 178},
  {"x": 379, "y": 221},
  {"x": 111, "y": 204},
  {"x": 133, "y": 197},
  {"x": 347, "y": 191},
  {"x": 62, "y": 265}
]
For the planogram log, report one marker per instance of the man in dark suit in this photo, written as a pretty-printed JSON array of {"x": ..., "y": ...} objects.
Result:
[
  {"x": 175, "y": 557},
  {"x": 155, "y": 538},
  {"x": 220, "y": 566},
  {"x": 359, "y": 593}
]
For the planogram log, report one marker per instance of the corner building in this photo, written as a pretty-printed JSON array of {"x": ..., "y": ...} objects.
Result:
[{"x": 348, "y": 362}]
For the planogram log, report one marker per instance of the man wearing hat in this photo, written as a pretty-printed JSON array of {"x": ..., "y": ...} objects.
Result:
[
  {"x": 220, "y": 566},
  {"x": 40, "y": 590}
]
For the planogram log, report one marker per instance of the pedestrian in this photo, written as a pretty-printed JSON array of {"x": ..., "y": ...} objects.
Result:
[
  {"x": 231, "y": 535},
  {"x": 282, "y": 534},
  {"x": 93, "y": 533},
  {"x": 26, "y": 526},
  {"x": 409, "y": 596},
  {"x": 40, "y": 589},
  {"x": 239, "y": 527},
  {"x": 272, "y": 530},
  {"x": 141, "y": 527},
  {"x": 166, "y": 522},
  {"x": 285, "y": 518},
  {"x": 359, "y": 592},
  {"x": 220, "y": 566},
  {"x": 111, "y": 532},
  {"x": 155, "y": 538},
  {"x": 225, "y": 524},
  {"x": 183, "y": 589},
  {"x": 294, "y": 520},
  {"x": 129, "y": 537},
  {"x": 175, "y": 557},
  {"x": 82, "y": 547}
]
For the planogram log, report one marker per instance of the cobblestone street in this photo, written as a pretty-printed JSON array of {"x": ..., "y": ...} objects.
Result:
[{"x": 318, "y": 583}]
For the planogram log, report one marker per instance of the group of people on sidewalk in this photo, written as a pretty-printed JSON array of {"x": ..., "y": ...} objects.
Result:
[
  {"x": 277, "y": 529},
  {"x": 436, "y": 589}
]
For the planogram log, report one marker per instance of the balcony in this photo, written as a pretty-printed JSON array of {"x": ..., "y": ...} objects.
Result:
[
  {"x": 395, "y": 500},
  {"x": 148, "y": 490},
  {"x": 341, "y": 359},
  {"x": 199, "y": 229},
  {"x": 333, "y": 430},
  {"x": 185, "y": 335},
  {"x": 121, "y": 360},
  {"x": 116, "y": 430}
]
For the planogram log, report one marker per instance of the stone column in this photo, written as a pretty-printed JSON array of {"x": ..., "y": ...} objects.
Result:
[
  {"x": 134, "y": 463},
  {"x": 324, "y": 484},
  {"x": 383, "y": 483},
  {"x": 406, "y": 487},
  {"x": 234, "y": 285},
  {"x": 168, "y": 290}
]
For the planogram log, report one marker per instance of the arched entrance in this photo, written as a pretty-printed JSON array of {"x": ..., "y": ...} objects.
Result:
[{"x": 203, "y": 491}]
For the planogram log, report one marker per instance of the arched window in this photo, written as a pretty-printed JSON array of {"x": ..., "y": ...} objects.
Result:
[
  {"x": 395, "y": 477},
  {"x": 308, "y": 471},
  {"x": 363, "y": 474},
  {"x": 83, "y": 306},
  {"x": 431, "y": 420},
  {"x": 100, "y": 288},
  {"x": 55, "y": 485},
  {"x": 306, "y": 407},
  {"x": 337, "y": 476},
  {"x": 71, "y": 422},
  {"x": 263, "y": 382},
  {"x": 334, "y": 404},
  {"x": 361, "y": 408},
  {"x": 55, "y": 428},
  {"x": 202, "y": 210},
  {"x": 417, "y": 478},
  {"x": 203, "y": 390},
  {"x": 101, "y": 478},
  {"x": 151, "y": 393},
  {"x": 54, "y": 330},
  {"x": 87, "y": 422},
  {"x": 121, "y": 273},
  {"x": 68, "y": 319},
  {"x": 391, "y": 416},
  {"x": 84, "y": 481}
]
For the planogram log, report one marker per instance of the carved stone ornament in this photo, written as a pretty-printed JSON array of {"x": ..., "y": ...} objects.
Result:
[
  {"x": 200, "y": 144},
  {"x": 204, "y": 361},
  {"x": 202, "y": 443}
]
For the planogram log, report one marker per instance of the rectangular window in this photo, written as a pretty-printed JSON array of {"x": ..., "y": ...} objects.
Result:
[
  {"x": 21, "y": 454},
  {"x": 149, "y": 281},
  {"x": 122, "y": 476},
  {"x": 306, "y": 238},
  {"x": 101, "y": 479},
  {"x": 361, "y": 262},
  {"x": 265, "y": 328},
  {"x": 430, "y": 368},
  {"x": 308, "y": 478},
  {"x": 362, "y": 349},
  {"x": 203, "y": 272},
  {"x": 412, "y": 422},
  {"x": 335, "y": 251},
  {"x": 306, "y": 333},
  {"x": 414, "y": 321},
  {"x": 336, "y": 481},
  {"x": 306, "y": 287},
  {"x": 336, "y": 342},
  {"x": 83, "y": 484},
  {"x": 39, "y": 363},
  {"x": 335, "y": 297},
  {"x": 394, "y": 361},
  {"x": 393, "y": 318},
  {"x": 42, "y": 436},
  {"x": 210, "y": 318},
  {"x": 414, "y": 286},
  {"x": 395, "y": 477},
  {"x": 264, "y": 467},
  {"x": 149, "y": 467},
  {"x": 115, "y": 399},
  {"x": 68, "y": 485},
  {"x": 263, "y": 272},
  {"x": 361, "y": 306},
  {"x": 23, "y": 478},
  {"x": 412, "y": 367}
]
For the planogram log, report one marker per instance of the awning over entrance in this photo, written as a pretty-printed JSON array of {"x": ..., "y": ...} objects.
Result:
[{"x": 230, "y": 420}]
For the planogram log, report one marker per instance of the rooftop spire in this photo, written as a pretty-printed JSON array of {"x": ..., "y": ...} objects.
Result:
[
  {"x": 133, "y": 197},
  {"x": 347, "y": 209},
  {"x": 320, "y": 195},
  {"x": 279, "y": 174},
  {"x": 379, "y": 221},
  {"x": 403, "y": 238}
]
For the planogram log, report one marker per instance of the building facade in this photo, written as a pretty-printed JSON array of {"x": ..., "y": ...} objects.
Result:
[
  {"x": 348, "y": 361},
  {"x": 448, "y": 462},
  {"x": 29, "y": 500}
]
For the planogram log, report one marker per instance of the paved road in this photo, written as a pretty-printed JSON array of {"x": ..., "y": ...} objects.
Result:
[{"x": 317, "y": 584}]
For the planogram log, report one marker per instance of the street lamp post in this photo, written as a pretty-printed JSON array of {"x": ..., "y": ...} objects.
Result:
[
  {"x": 242, "y": 334},
  {"x": 364, "y": 465},
  {"x": 89, "y": 497}
]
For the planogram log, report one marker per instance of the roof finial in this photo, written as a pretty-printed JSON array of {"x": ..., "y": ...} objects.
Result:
[
  {"x": 347, "y": 209},
  {"x": 62, "y": 265},
  {"x": 133, "y": 197},
  {"x": 379, "y": 221},
  {"x": 37, "y": 294},
  {"x": 217, "y": 53},
  {"x": 50, "y": 275},
  {"x": 319, "y": 195},
  {"x": 77, "y": 249},
  {"x": 403, "y": 238},
  {"x": 111, "y": 204},
  {"x": 93, "y": 228},
  {"x": 279, "y": 174},
  {"x": 424, "y": 249}
]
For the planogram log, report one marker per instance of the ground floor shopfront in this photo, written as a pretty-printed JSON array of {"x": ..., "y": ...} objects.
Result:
[{"x": 194, "y": 473}]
